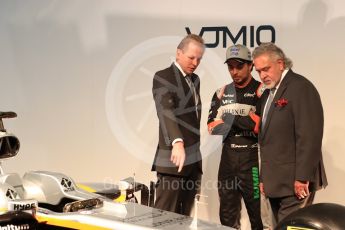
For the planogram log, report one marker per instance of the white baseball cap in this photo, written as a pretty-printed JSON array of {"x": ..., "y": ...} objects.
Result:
[{"x": 239, "y": 52}]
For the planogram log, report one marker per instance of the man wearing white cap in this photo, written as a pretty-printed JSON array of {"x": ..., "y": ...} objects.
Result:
[{"x": 232, "y": 115}]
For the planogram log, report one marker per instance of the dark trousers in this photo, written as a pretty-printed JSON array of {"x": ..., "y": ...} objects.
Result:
[
  {"x": 283, "y": 206},
  {"x": 238, "y": 178},
  {"x": 176, "y": 193}
]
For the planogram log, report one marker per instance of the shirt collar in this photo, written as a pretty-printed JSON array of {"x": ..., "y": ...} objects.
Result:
[
  {"x": 179, "y": 67},
  {"x": 281, "y": 79}
]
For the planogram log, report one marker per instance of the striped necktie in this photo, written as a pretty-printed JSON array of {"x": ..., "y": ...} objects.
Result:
[
  {"x": 268, "y": 106},
  {"x": 193, "y": 91}
]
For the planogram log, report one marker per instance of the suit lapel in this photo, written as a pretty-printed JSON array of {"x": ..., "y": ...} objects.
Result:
[
  {"x": 183, "y": 92},
  {"x": 180, "y": 79},
  {"x": 272, "y": 107},
  {"x": 186, "y": 96},
  {"x": 271, "y": 110}
]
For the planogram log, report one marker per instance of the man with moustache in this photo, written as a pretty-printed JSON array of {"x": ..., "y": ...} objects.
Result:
[{"x": 290, "y": 135}]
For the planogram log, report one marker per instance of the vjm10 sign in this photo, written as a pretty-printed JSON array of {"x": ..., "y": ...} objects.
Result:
[{"x": 255, "y": 36}]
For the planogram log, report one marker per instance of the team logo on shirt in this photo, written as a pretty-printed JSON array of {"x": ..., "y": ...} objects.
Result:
[
  {"x": 261, "y": 89},
  {"x": 249, "y": 95}
]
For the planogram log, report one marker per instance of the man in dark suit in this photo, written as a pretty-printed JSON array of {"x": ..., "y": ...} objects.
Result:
[
  {"x": 290, "y": 135},
  {"x": 178, "y": 104}
]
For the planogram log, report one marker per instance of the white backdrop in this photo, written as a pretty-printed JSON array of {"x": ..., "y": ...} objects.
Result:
[{"x": 79, "y": 75}]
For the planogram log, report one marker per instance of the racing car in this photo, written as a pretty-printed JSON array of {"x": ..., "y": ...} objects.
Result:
[{"x": 52, "y": 200}]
